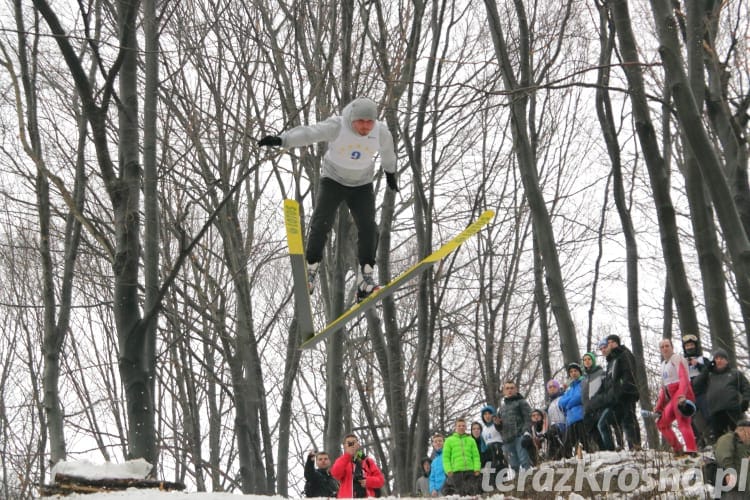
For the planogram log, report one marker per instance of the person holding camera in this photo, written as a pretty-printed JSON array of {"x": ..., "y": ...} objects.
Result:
[
  {"x": 358, "y": 475},
  {"x": 318, "y": 479}
]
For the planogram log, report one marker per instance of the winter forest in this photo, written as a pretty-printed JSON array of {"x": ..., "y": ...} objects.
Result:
[{"x": 146, "y": 299}]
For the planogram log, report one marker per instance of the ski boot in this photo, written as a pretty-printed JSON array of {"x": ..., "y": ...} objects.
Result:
[
  {"x": 312, "y": 273},
  {"x": 366, "y": 284}
]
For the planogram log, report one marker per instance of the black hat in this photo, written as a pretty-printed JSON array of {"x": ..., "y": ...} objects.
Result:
[
  {"x": 721, "y": 353},
  {"x": 743, "y": 423},
  {"x": 614, "y": 338},
  {"x": 574, "y": 365}
]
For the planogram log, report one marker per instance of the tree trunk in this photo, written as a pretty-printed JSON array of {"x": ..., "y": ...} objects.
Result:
[
  {"x": 527, "y": 166},
  {"x": 657, "y": 169}
]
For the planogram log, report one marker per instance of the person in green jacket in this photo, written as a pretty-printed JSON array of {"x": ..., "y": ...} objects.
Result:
[
  {"x": 461, "y": 462},
  {"x": 732, "y": 451}
]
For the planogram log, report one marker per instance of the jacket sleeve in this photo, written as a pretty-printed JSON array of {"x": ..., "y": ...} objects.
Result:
[
  {"x": 447, "y": 452},
  {"x": 724, "y": 451},
  {"x": 340, "y": 467},
  {"x": 304, "y": 135},
  {"x": 310, "y": 469},
  {"x": 375, "y": 478},
  {"x": 744, "y": 386},
  {"x": 476, "y": 462},
  {"x": 684, "y": 386},
  {"x": 387, "y": 149},
  {"x": 700, "y": 382}
]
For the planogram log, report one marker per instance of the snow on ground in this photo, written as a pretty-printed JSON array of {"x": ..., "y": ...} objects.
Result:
[{"x": 603, "y": 475}]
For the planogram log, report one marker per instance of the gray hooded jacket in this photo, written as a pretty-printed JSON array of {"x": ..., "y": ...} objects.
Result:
[{"x": 350, "y": 158}]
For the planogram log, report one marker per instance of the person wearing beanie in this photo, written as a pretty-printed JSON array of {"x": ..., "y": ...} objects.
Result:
[
  {"x": 347, "y": 174},
  {"x": 572, "y": 405},
  {"x": 727, "y": 394},
  {"x": 491, "y": 439}
]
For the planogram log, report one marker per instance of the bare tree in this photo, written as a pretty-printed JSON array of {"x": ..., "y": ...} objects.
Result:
[{"x": 518, "y": 82}]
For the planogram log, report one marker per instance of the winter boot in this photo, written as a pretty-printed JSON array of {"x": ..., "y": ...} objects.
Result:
[
  {"x": 366, "y": 283},
  {"x": 312, "y": 273}
]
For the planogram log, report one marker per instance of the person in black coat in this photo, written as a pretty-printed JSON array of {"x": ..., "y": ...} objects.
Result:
[
  {"x": 727, "y": 393},
  {"x": 318, "y": 481},
  {"x": 623, "y": 389}
]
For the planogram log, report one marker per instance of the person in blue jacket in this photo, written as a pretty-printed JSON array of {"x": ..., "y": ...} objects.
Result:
[
  {"x": 572, "y": 404},
  {"x": 437, "y": 471}
]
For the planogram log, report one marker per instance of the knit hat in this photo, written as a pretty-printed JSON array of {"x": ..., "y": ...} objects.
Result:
[
  {"x": 363, "y": 108},
  {"x": 743, "y": 423},
  {"x": 574, "y": 365},
  {"x": 720, "y": 353},
  {"x": 614, "y": 338},
  {"x": 602, "y": 343},
  {"x": 554, "y": 383},
  {"x": 488, "y": 408},
  {"x": 593, "y": 358}
]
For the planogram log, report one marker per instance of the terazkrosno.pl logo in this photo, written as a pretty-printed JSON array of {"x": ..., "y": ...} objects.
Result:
[{"x": 625, "y": 479}]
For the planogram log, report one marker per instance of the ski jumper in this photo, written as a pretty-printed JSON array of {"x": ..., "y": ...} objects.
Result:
[
  {"x": 675, "y": 383},
  {"x": 347, "y": 175}
]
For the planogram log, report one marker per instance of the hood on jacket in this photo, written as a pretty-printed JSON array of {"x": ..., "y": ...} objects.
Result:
[
  {"x": 362, "y": 108},
  {"x": 593, "y": 359}
]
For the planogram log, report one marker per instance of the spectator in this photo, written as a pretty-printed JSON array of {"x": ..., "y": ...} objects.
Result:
[
  {"x": 675, "y": 391},
  {"x": 591, "y": 385},
  {"x": 318, "y": 481},
  {"x": 555, "y": 422},
  {"x": 422, "y": 486},
  {"x": 572, "y": 405},
  {"x": 476, "y": 433},
  {"x": 461, "y": 462},
  {"x": 437, "y": 471},
  {"x": 623, "y": 389},
  {"x": 358, "y": 475},
  {"x": 692, "y": 352},
  {"x": 492, "y": 439},
  {"x": 732, "y": 449},
  {"x": 515, "y": 417},
  {"x": 536, "y": 445},
  {"x": 727, "y": 393}
]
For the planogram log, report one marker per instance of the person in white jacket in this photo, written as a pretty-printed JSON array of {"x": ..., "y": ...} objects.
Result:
[{"x": 354, "y": 138}]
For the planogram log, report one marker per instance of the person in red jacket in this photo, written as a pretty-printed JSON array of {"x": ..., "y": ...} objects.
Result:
[
  {"x": 674, "y": 395},
  {"x": 359, "y": 476}
]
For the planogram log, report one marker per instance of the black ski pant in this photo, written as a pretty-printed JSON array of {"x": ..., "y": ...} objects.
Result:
[
  {"x": 361, "y": 203},
  {"x": 627, "y": 419}
]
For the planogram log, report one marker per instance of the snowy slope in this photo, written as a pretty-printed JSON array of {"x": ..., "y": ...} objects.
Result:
[{"x": 604, "y": 475}]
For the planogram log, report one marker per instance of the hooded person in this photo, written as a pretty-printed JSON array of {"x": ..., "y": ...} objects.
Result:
[
  {"x": 591, "y": 386},
  {"x": 347, "y": 174},
  {"x": 492, "y": 438},
  {"x": 422, "y": 486}
]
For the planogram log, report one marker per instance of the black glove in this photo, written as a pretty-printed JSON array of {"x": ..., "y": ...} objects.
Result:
[
  {"x": 390, "y": 179},
  {"x": 745, "y": 404},
  {"x": 270, "y": 140}
]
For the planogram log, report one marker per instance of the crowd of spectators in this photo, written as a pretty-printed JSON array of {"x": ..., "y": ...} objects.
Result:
[{"x": 594, "y": 409}]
